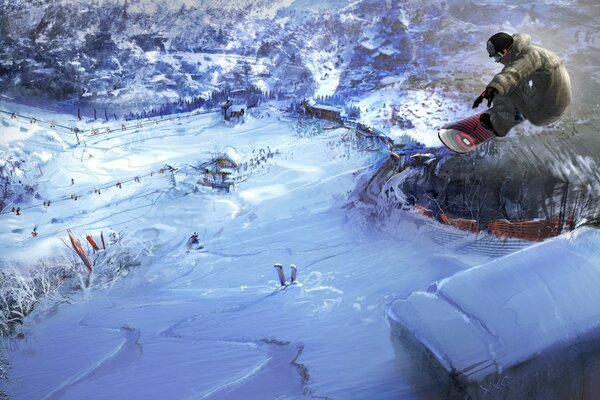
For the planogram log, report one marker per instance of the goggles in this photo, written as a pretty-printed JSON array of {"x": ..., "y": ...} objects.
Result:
[
  {"x": 497, "y": 57},
  {"x": 491, "y": 49}
]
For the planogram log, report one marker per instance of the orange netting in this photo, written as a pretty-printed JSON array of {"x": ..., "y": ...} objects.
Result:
[
  {"x": 533, "y": 230},
  {"x": 424, "y": 211},
  {"x": 461, "y": 223}
]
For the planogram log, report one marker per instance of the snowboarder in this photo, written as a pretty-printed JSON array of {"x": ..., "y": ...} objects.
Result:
[{"x": 533, "y": 85}]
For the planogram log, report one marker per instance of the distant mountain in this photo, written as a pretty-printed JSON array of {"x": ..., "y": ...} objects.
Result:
[
  {"x": 135, "y": 53},
  {"x": 132, "y": 51}
]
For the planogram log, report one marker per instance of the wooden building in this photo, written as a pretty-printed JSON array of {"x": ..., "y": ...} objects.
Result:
[{"x": 322, "y": 111}]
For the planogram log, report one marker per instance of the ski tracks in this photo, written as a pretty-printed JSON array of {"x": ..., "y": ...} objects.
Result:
[{"x": 121, "y": 356}]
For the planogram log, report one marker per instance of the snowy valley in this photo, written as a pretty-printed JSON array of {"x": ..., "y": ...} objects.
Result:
[{"x": 111, "y": 127}]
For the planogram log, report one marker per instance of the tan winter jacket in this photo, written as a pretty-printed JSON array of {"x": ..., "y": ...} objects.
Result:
[{"x": 536, "y": 81}]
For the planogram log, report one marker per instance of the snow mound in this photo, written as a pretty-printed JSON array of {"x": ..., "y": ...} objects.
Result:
[{"x": 489, "y": 318}]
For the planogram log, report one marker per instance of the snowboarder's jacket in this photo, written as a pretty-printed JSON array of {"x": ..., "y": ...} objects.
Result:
[{"x": 536, "y": 80}]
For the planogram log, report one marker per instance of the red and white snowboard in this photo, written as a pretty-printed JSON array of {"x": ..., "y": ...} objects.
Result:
[{"x": 464, "y": 135}]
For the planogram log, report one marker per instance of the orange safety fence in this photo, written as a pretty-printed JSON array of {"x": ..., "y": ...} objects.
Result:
[
  {"x": 460, "y": 223},
  {"x": 535, "y": 230},
  {"x": 424, "y": 211}
]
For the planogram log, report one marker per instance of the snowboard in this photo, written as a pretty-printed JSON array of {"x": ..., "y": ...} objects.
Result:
[{"x": 464, "y": 135}]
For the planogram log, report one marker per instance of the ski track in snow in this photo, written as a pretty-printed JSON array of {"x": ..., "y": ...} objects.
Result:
[{"x": 127, "y": 351}]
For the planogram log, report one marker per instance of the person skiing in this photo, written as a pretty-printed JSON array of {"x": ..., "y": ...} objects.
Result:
[
  {"x": 193, "y": 242},
  {"x": 533, "y": 85}
]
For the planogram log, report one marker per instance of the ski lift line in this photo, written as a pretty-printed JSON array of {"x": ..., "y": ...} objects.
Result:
[
  {"x": 51, "y": 124},
  {"x": 111, "y": 225},
  {"x": 96, "y": 191},
  {"x": 153, "y": 202},
  {"x": 137, "y": 126},
  {"x": 112, "y": 128},
  {"x": 105, "y": 129}
]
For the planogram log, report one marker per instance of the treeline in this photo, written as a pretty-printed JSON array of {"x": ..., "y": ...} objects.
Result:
[{"x": 250, "y": 97}]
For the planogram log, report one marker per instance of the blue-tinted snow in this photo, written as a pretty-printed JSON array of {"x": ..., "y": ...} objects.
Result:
[{"x": 214, "y": 323}]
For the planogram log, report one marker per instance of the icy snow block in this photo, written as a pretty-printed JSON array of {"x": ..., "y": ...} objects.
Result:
[{"x": 489, "y": 318}]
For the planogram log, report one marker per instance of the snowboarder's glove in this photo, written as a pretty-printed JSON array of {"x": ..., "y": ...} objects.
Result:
[{"x": 487, "y": 94}]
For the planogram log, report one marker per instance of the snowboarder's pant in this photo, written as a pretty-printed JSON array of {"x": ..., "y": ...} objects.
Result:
[
  {"x": 509, "y": 111},
  {"x": 505, "y": 114}
]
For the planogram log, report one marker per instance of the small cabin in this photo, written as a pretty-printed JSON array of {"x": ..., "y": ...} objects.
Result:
[
  {"x": 232, "y": 111},
  {"x": 222, "y": 171}
]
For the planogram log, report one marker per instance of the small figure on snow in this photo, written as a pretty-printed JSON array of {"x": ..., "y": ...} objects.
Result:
[
  {"x": 533, "y": 85},
  {"x": 34, "y": 232},
  {"x": 194, "y": 242}
]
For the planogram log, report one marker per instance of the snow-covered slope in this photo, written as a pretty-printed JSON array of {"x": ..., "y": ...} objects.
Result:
[{"x": 214, "y": 323}]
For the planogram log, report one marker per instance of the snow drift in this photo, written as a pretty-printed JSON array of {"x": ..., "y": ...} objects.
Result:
[{"x": 487, "y": 319}]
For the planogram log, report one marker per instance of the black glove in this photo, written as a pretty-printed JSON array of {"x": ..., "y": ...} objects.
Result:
[{"x": 487, "y": 94}]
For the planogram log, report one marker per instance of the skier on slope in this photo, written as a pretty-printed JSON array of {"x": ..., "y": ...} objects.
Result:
[
  {"x": 533, "y": 85},
  {"x": 193, "y": 242}
]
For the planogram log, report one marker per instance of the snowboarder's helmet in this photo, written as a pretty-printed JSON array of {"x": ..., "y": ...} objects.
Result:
[{"x": 497, "y": 43}]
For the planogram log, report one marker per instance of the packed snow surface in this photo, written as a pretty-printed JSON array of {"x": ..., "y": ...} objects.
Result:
[{"x": 491, "y": 317}]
